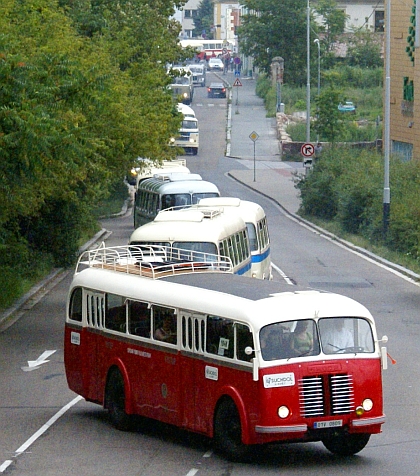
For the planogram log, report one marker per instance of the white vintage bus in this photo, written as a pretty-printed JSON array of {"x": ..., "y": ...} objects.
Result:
[
  {"x": 169, "y": 190},
  {"x": 147, "y": 168},
  {"x": 212, "y": 353},
  {"x": 207, "y": 231},
  {"x": 256, "y": 222}
]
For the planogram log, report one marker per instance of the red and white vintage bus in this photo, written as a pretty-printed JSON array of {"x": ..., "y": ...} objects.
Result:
[{"x": 243, "y": 361}]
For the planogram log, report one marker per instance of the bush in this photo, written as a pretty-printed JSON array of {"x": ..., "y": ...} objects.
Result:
[{"x": 346, "y": 186}]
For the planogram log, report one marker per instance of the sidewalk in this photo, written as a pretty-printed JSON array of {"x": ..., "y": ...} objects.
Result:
[{"x": 265, "y": 171}]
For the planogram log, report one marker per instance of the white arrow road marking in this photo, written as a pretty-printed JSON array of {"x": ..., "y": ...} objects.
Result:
[{"x": 35, "y": 364}]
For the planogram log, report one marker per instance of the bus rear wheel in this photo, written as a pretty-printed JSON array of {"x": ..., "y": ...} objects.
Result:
[
  {"x": 228, "y": 432},
  {"x": 115, "y": 401},
  {"x": 346, "y": 445}
]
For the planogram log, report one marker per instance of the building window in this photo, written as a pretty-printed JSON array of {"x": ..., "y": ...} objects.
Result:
[{"x": 379, "y": 21}]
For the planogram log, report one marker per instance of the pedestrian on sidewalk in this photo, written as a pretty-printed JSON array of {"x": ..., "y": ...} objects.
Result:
[{"x": 318, "y": 151}]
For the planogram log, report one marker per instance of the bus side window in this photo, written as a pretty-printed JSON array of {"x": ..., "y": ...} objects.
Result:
[
  {"x": 252, "y": 235},
  {"x": 220, "y": 336},
  {"x": 164, "y": 324},
  {"x": 115, "y": 315},
  {"x": 75, "y": 310},
  {"x": 139, "y": 318},
  {"x": 243, "y": 339}
]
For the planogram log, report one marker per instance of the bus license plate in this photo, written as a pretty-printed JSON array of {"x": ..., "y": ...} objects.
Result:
[{"x": 328, "y": 424}]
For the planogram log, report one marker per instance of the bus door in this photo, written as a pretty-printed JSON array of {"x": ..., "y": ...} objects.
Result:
[
  {"x": 95, "y": 303},
  {"x": 192, "y": 371}
]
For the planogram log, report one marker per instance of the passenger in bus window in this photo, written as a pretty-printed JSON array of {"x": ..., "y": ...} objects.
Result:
[
  {"x": 274, "y": 344},
  {"x": 167, "y": 331},
  {"x": 335, "y": 336},
  {"x": 302, "y": 341}
]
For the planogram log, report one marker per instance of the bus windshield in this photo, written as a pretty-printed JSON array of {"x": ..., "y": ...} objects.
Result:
[
  {"x": 284, "y": 340},
  {"x": 207, "y": 251}
]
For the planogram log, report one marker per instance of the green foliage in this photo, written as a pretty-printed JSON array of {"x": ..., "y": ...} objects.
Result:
[
  {"x": 364, "y": 49},
  {"x": 276, "y": 28},
  {"x": 332, "y": 24},
  {"x": 83, "y": 94},
  {"x": 346, "y": 186},
  {"x": 203, "y": 22},
  {"x": 329, "y": 123}
]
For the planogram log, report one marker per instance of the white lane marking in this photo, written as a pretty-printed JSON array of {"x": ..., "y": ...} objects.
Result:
[
  {"x": 192, "y": 472},
  {"x": 283, "y": 275},
  {"x": 40, "y": 432},
  {"x": 35, "y": 364}
]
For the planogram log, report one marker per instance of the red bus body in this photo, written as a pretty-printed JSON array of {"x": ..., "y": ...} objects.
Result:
[{"x": 183, "y": 387}]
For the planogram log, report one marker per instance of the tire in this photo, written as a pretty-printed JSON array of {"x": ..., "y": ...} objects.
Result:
[
  {"x": 346, "y": 445},
  {"x": 195, "y": 151},
  {"x": 115, "y": 402},
  {"x": 228, "y": 432}
]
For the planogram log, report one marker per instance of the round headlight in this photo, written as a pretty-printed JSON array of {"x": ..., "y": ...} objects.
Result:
[
  {"x": 283, "y": 412},
  {"x": 367, "y": 404}
]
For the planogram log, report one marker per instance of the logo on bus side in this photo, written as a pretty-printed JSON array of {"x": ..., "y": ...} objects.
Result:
[
  {"x": 212, "y": 373},
  {"x": 75, "y": 338},
  {"x": 279, "y": 380}
]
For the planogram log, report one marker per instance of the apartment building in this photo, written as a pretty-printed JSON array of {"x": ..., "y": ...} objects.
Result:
[{"x": 404, "y": 79}]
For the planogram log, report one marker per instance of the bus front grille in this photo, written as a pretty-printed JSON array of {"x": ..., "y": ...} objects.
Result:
[{"x": 326, "y": 395}]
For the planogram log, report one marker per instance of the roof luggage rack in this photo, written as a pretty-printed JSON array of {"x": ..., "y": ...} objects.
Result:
[{"x": 152, "y": 261}]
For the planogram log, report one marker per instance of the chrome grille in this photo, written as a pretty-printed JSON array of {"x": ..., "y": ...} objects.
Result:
[
  {"x": 311, "y": 397},
  {"x": 342, "y": 394},
  {"x": 326, "y": 395}
]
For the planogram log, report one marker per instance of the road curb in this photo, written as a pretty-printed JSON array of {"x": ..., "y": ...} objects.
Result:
[
  {"x": 400, "y": 269},
  {"x": 28, "y": 300}
]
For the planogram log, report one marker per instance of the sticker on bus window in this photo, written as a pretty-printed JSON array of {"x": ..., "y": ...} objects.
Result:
[
  {"x": 212, "y": 373},
  {"x": 279, "y": 380},
  {"x": 223, "y": 345}
]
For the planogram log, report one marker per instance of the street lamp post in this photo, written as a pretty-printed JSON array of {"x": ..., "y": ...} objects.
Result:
[
  {"x": 308, "y": 79},
  {"x": 387, "y": 106},
  {"x": 316, "y": 41}
]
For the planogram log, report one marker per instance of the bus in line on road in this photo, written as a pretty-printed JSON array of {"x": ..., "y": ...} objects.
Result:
[
  {"x": 256, "y": 223},
  {"x": 147, "y": 168},
  {"x": 243, "y": 361},
  {"x": 210, "y": 232},
  {"x": 169, "y": 190}
]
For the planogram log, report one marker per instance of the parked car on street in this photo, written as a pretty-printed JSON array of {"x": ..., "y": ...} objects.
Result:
[
  {"x": 215, "y": 64},
  {"x": 216, "y": 90},
  {"x": 348, "y": 106}
]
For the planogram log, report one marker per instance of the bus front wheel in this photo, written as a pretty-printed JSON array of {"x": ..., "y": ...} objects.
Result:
[
  {"x": 115, "y": 401},
  {"x": 228, "y": 432},
  {"x": 346, "y": 445}
]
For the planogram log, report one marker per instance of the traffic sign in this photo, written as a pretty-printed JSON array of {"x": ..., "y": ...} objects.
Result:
[
  {"x": 307, "y": 150},
  {"x": 237, "y": 82},
  {"x": 253, "y": 136}
]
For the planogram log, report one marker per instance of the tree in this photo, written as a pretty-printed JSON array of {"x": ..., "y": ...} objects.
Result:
[
  {"x": 276, "y": 28},
  {"x": 83, "y": 94},
  {"x": 364, "y": 49},
  {"x": 329, "y": 123},
  {"x": 333, "y": 22},
  {"x": 204, "y": 21}
]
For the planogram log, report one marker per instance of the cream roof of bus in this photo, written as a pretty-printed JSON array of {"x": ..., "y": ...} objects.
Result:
[
  {"x": 174, "y": 185},
  {"x": 150, "y": 168},
  {"x": 249, "y": 211},
  {"x": 254, "y": 301},
  {"x": 192, "y": 226},
  {"x": 187, "y": 111}
]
